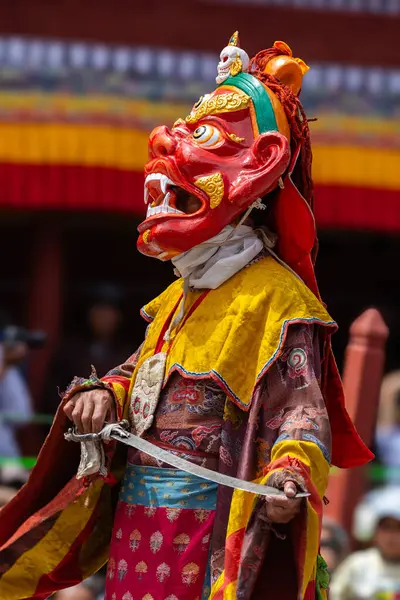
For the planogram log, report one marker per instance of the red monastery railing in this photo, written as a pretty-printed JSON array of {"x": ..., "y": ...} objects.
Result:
[{"x": 364, "y": 363}]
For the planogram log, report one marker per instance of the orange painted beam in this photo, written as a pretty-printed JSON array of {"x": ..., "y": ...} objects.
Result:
[{"x": 103, "y": 145}]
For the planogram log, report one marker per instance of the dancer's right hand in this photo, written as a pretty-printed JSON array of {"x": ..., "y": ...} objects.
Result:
[{"x": 89, "y": 410}]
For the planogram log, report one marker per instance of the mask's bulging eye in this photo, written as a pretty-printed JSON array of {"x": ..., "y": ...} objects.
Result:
[{"x": 207, "y": 135}]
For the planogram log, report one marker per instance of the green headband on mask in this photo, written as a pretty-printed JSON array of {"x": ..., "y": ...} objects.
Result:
[{"x": 251, "y": 86}]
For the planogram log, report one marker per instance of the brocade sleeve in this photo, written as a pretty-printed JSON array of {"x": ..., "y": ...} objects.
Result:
[{"x": 294, "y": 409}]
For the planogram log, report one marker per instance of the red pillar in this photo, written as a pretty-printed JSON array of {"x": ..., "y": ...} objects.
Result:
[
  {"x": 45, "y": 303},
  {"x": 364, "y": 363}
]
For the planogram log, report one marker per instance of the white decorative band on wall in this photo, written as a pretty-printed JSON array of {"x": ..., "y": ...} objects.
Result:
[
  {"x": 54, "y": 59},
  {"x": 386, "y": 7}
]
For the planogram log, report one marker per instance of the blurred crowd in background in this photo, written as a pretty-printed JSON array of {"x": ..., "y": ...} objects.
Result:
[{"x": 79, "y": 92}]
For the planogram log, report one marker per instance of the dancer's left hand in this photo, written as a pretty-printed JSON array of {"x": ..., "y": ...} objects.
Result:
[{"x": 282, "y": 509}]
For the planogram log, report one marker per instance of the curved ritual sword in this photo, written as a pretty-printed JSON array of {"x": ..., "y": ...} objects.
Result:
[{"x": 118, "y": 432}]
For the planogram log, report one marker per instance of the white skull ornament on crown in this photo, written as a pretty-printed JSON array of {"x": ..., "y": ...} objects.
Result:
[{"x": 233, "y": 60}]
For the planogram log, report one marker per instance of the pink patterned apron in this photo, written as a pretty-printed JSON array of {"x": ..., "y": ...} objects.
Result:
[{"x": 161, "y": 537}]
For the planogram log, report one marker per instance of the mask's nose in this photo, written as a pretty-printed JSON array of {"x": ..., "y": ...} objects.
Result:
[{"x": 161, "y": 142}]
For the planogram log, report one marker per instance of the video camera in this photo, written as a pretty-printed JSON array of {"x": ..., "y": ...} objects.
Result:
[{"x": 11, "y": 334}]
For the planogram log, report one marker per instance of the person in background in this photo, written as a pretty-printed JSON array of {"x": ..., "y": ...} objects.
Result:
[
  {"x": 6, "y": 494},
  {"x": 99, "y": 344},
  {"x": 15, "y": 398},
  {"x": 90, "y": 589},
  {"x": 334, "y": 543},
  {"x": 387, "y": 439},
  {"x": 78, "y": 592},
  {"x": 373, "y": 574}
]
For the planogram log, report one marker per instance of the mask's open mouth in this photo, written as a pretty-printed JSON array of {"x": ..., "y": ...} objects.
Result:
[
  {"x": 223, "y": 69},
  {"x": 185, "y": 201},
  {"x": 164, "y": 197}
]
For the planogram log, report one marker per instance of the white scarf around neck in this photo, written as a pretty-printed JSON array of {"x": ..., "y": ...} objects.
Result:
[{"x": 210, "y": 264}]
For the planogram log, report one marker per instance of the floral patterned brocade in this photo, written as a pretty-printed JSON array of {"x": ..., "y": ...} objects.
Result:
[
  {"x": 188, "y": 421},
  {"x": 161, "y": 537}
]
